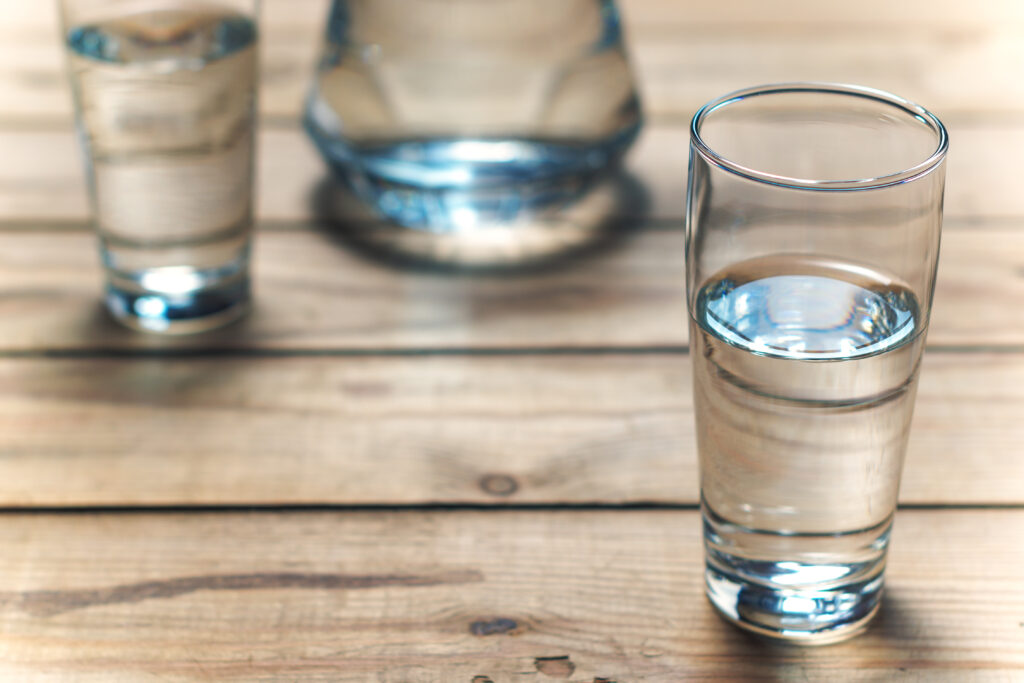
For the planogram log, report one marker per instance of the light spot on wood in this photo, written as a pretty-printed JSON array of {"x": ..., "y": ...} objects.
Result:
[
  {"x": 499, "y": 484},
  {"x": 559, "y": 667}
]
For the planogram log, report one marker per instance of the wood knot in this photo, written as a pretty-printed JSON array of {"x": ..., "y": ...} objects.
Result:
[
  {"x": 499, "y": 484},
  {"x": 559, "y": 667},
  {"x": 490, "y": 627},
  {"x": 482, "y": 679}
]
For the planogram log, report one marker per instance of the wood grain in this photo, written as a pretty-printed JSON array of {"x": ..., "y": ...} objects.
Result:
[
  {"x": 362, "y": 430},
  {"x": 426, "y": 597},
  {"x": 317, "y": 294}
]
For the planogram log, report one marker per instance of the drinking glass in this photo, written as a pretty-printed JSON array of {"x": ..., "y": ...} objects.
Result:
[
  {"x": 453, "y": 115},
  {"x": 812, "y": 238},
  {"x": 165, "y": 97}
]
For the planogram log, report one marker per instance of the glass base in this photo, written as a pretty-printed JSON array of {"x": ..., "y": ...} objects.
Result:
[
  {"x": 803, "y": 617},
  {"x": 176, "y": 300},
  {"x": 451, "y": 185},
  {"x": 808, "y": 587}
]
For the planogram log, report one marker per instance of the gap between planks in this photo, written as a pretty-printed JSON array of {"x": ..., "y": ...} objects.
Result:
[
  {"x": 200, "y": 353},
  {"x": 496, "y": 507}
]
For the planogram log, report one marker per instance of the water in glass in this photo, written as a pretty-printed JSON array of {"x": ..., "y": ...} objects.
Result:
[{"x": 805, "y": 374}]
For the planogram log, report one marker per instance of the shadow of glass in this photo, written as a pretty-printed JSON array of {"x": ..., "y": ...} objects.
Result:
[
  {"x": 98, "y": 331},
  {"x": 901, "y": 625},
  {"x": 599, "y": 218},
  {"x": 758, "y": 658},
  {"x": 890, "y": 646}
]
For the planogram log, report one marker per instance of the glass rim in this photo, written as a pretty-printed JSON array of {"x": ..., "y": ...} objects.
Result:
[{"x": 915, "y": 110}]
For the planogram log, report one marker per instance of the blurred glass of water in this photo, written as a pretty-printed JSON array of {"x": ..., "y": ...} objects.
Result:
[
  {"x": 451, "y": 114},
  {"x": 165, "y": 103}
]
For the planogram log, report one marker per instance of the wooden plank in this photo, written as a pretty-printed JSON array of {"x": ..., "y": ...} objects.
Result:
[
  {"x": 957, "y": 63},
  {"x": 511, "y": 597},
  {"x": 960, "y": 74},
  {"x": 41, "y": 178},
  {"x": 676, "y": 75},
  {"x": 36, "y": 18},
  {"x": 548, "y": 429},
  {"x": 627, "y": 294},
  {"x": 313, "y": 293},
  {"x": 354, "y": 430},
  {"x": 909, "y": 15}
]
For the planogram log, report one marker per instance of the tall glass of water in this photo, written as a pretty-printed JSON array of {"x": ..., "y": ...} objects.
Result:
[
  {"x": 812, "y": 237},
  {"x": 165, "y": 97},
  {"x": 450, "y": 115}
]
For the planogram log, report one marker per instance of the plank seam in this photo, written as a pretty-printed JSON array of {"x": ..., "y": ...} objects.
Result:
[
  {"x": 441, "y": 352},
  {"x": 639, "y": 506},
  {"x": 318, "y": 225}
]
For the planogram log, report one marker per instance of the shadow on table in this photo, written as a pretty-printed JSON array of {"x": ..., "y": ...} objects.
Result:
[
  {"x": 601, "y": 218},
  {"x": 885, "y": 648},
  {"x": 602, "y": 221},
  {"x": 101, "y": 334}
]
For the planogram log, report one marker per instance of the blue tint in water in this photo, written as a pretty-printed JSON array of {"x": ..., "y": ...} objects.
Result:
[
  {"x": 453, "y": 184},
  {"x": 95, "y": 43},
  {"x": 807, "y": 316},
  {"x": 161, "y": 35},
  {"x": 805, "y": 370}
]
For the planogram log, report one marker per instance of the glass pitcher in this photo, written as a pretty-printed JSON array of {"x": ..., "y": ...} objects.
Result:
[{"x": 453, "y": 114}]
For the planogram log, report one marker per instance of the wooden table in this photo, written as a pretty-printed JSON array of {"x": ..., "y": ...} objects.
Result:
[{"x": 394, "y": 474}]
